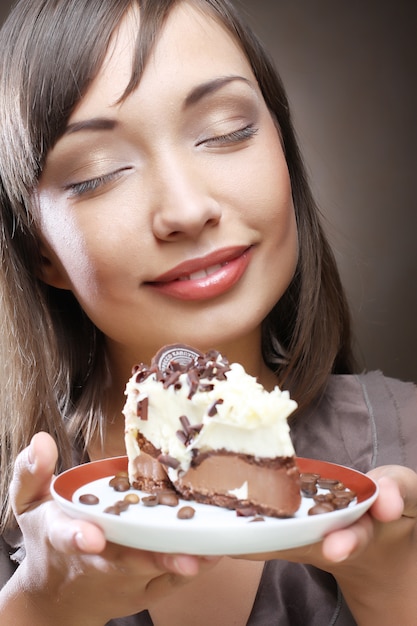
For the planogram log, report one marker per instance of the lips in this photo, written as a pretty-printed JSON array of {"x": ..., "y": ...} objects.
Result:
[{"x": 205, "y": 277}]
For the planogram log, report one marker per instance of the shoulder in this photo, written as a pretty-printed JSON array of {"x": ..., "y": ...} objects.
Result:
[{"x": 361, "y": 421}]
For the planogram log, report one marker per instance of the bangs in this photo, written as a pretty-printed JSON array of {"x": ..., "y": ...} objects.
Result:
[{"x": 49, "y": 54}]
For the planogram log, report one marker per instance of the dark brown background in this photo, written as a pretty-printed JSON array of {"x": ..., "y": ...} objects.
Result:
[{"x": 350, "y": 69}]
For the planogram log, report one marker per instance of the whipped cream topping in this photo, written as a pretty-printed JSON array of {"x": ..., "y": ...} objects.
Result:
[{"x": 206, "y": 406}]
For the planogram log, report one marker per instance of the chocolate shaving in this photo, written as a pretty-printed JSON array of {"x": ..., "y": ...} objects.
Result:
[
  {"x": 182, "y": 437},
  {"x": 189, "y": 431},
  {"x": 142, "y": 409},
  {"x": 169, "y": 461},
  {"x": 185, "y": 423},
  {"x": 206, "y": 367},
  {"x": 193, "y": 381},
  {"x": 213, "y": 408},
  {"x": 172, "y": 379},
  {"x": 246, "y": 511},
  {"x": 206, "y": 387}
]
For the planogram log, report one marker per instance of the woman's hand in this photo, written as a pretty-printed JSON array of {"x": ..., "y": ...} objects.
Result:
[
  {"x": 377, "y": 556},
  {"x": 375, "y": 559},
  {"x": 70, "y": 574}
]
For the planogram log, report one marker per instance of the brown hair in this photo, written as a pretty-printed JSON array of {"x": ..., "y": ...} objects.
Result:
[{"x": 52, "y": 356}]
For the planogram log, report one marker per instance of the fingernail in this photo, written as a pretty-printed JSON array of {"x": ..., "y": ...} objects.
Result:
[
  {"x": 31, "y": 455},
  {"x": 79, "y": 540},
  {"x": 339, "y": 556},
  {"x": 185, "y": 566}
]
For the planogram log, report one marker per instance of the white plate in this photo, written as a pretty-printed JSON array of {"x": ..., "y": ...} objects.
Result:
[{"x": 212, "y": 530}]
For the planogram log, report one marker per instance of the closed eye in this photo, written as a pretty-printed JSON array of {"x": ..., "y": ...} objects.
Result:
[
  {"x": 236, "y": 136},
  {"x": 93, "y": 184}
]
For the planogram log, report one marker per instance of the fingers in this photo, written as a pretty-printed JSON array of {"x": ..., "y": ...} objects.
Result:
[
  {"x": 397, "y": 499},
  {"x": 33, "y": 472},
  {"x": 342, "y": 544},
  {"x": 398, "y": 493},
  {"x": 184, "y": 564},
  {"x": 181, "y": 569},
  {"x": 30, "y": 487},
  {"x": 71, "y": 536}
]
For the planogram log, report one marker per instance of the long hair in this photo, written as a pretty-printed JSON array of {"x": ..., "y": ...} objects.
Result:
[{"x": 52, "y": 359}]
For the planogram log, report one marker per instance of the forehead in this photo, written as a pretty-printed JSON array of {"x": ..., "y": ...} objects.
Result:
[{"x": 191, "y": 48}]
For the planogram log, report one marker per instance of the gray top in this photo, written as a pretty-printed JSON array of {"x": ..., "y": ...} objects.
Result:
[{"x": 362, "y": 422}]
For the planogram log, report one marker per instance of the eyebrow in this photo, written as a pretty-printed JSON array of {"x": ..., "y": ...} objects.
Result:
[
  {"x": 211, "y": 86},
  {"x": 96, "y": 123},
  {"x": 195, "y": 96}
]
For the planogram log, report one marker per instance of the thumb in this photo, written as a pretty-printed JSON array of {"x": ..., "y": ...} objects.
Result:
[{"x": 33, "y": 472}]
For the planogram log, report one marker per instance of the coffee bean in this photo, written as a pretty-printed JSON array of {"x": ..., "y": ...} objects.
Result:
[
  {"x": 112, "y": 510},
  {"x": 122, "y": 505},
  {"x": 350, "y": 495},
  {"x": 323, "y": 507},
  {"x": 323, "y": 497},
  {"x": 120, "y": 483},
  {"x": 88, "y": 498},
  {"x": 327, "y": 483},
  {"x": 150, "y": 501},
  {"x": 341, "y": 503},
  {"x": 186, "y": 512},
  {"x": 309, "y": 476},
  {"x": 132, "y": 498},
  {"x": 308, "y": 487}
]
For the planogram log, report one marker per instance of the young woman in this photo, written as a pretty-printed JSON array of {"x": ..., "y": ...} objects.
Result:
[{"x": 152, "y": 192}]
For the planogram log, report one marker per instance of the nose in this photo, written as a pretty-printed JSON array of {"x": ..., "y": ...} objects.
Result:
[{"x": 183, "y": 204}]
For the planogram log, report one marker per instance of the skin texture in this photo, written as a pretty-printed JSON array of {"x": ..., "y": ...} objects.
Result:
[{"x": 178, "y": 179}]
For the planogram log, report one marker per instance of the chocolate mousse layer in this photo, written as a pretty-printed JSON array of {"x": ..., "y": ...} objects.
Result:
[
  {"x": 149, "y": 473},
  {"x": 150, "y": 476},
  {"x": 269, "y": 486}
]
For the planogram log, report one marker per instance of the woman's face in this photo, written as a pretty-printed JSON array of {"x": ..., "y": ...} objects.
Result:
[{"x": 169, "y": 214}]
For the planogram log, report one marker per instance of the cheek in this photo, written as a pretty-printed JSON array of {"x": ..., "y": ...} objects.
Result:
[
  {"x": 271, "y": 210},
  {"x": 266, "y": 190},
  {"x": 259, "y": 177},
  {"x": 70, "y": 248}
]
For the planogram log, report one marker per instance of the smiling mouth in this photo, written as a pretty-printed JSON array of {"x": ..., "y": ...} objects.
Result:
[{"x": 201, "y": 279}]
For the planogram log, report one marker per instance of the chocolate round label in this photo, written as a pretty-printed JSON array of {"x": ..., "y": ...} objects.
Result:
[{"x": 180, "y": 353}]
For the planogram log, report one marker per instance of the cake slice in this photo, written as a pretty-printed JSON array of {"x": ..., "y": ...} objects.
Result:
[{"x": 205, "y": 427}]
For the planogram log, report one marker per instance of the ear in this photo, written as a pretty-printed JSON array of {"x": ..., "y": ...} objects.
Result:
[{"x": 51, "y": 271}]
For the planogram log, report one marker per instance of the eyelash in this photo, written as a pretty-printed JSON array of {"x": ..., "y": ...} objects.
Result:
[
  {"x": 88, "y": 186},
  {"x": 235, "y": 136}
]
